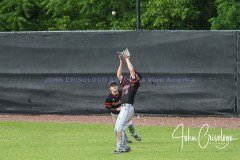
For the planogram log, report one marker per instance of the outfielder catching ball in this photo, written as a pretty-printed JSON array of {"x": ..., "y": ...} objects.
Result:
[
  {"x": 129, "y": 90},
  {"x": 113, "y": 103}
]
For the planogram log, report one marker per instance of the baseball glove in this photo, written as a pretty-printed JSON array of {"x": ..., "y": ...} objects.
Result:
[{"x": 124, "y": 54}]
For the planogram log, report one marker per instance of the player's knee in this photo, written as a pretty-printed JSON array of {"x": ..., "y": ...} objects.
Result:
[
  {"x": 118, "y": 129},
  {"x": 130, "y": 123}
]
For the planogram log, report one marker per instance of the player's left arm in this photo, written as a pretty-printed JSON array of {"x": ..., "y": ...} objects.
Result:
[{"x": 130, "y": 67}]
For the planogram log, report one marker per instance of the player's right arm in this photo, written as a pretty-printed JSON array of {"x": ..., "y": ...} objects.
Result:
[
  {"x": 109, "y": 106},
  {"x": 119, "y": 71}
]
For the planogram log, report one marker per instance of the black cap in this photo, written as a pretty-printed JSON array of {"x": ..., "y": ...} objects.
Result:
[{"x": 112, "y": 83}]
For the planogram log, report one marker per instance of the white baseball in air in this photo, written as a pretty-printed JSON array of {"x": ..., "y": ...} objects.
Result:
[{"x": 113, "y": 13}]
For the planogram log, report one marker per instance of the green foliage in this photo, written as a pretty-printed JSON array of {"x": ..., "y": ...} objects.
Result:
[
  {"x": 66, "y": 14},
  {"x": 16, "y": 14},
  {"x": 228, "y": 15},
  {"x": 62, "y": 14},
  {"x": 98, "y": 14},
  {"x": 207, "y": 10},
  {"x": 169, "y": 14},
  {"x": 38, "y": 15}
]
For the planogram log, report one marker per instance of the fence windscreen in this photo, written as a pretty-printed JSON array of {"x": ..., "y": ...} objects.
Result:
[{"x": 184, "y": 72}]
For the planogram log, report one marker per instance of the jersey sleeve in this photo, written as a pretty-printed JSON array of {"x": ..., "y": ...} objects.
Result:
[
  {"x": 124, "y": 81},
  {"x": 108, "y": 103},
  {"x": 134, "y": 80}
]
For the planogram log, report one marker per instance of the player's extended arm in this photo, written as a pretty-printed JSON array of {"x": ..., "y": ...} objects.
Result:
[
  {"x": 130, "y": 67},
  {"x": 109, "y": 106},
  {"x": 119, "y": 71}
]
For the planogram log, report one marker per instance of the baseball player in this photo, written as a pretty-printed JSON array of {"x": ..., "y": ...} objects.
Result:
[
  {"x": 113, "y": 103},
  {"x": 129, "y": 90}
]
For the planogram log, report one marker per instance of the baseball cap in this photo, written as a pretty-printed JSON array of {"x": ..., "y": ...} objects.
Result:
[{"x": 112, "y": 83}]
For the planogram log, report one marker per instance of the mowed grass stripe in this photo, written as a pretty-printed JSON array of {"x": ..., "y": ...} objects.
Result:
[{"x": 72, "y": 141}]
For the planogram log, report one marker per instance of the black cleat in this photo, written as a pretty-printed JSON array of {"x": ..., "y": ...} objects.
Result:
[
  {"x": 137, "y": 137},
  {"x": 128, "y": 149},
  {"x": 117, "y": 151},
  {"x": 122, "y": 151},
  {"x": 128, "y": 141}
]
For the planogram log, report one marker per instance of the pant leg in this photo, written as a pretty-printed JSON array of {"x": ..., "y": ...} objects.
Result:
[
  {"x": 129, "y": 120},
  {"x": 119, "y": 127},
  {"x": 114, "y": 118},
  {"x": 123, "y": 119},
  {"x": 132, "y": 129}
]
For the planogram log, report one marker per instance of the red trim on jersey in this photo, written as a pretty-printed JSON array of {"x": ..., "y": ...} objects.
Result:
[
  {"x": 108, "y": 104},
  {"x": 134, "y": 80}
]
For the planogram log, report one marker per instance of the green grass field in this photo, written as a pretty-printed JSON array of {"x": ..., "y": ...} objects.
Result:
[{"x": 68, "y": 141}]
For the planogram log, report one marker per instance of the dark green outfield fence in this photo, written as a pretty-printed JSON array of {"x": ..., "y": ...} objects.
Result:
[
  {"x": 238, "y": 74},
  {"x": 184, "y": 72}
]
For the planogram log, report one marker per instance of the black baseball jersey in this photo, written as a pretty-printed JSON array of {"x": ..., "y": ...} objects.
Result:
[
  {"x": 129, "y": 89},
  {"x": 113, "y": 102}
]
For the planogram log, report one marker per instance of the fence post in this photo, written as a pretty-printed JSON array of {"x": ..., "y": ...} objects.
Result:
[
  {"x": 138, "y": 15},
  {"x": 236, "y": 79}
]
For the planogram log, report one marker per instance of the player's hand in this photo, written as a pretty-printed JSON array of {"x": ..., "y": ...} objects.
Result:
[
  {"x": 119, "y": 109},
  {"x": 120, "y": 58},
  {"x": 127, "y": 54},
  {"x": 127, "y": 58}
]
